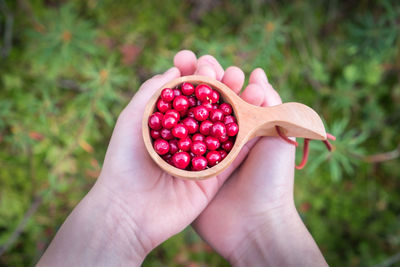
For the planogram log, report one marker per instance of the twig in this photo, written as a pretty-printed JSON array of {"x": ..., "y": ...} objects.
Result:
[
  {"x": 383, "y": 156},
  {"x": 8, "y": 31},
  {"x": 21, "y": 226},
  {"x": 389, "y": 261}
]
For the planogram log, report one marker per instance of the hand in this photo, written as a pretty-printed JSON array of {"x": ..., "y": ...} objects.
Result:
[{"x": 134, "y": 205}]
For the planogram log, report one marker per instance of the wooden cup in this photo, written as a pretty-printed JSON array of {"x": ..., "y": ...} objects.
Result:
[{"x": 295, "y": 120}]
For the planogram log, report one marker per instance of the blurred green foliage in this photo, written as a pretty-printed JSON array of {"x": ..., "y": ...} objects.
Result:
[{"x": 71, "y": 67}]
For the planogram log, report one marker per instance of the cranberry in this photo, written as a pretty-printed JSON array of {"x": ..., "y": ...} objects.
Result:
[
  {"x": 177, "y": 92},
  {"x": 192, "y": 101},
  {"x": 167, "y": 95},
  {"x": 227, "y": 145},
  {"x": 205, "y": 127},
  {"x": 212, "y": 143},
  {"x": 187, "y": 88},
  {"x": 161, "y": 146},
  {"x": 203, "y": 92},
  {"x": 213, "y": 157},
  {"x": 229, "y": 119},
  {"x": 181, "y": 103},
  {"x": 199, "y": 163},
  {"x": 226, "y": 108},
  {"x": 173, "y": 146},
  {"x": 232, "y": 129},
  {"x": 216, "y": 115},
  {"x": 200, "y": 113},
  {"x": 166, "y": 134},
  {"x": 218, "y": 129},
  {"x": 214, "y": 96},
  {"x": 155, "y": 121},
  {"x": 191, "y": 124},
  {"x": 174, "y": 113},
  {"x": 155, "y": 134},
  {"x": 180, "y": 131},
  {"x": 207, "y": 105},
  {"x": 198, "y": 148},
  {"x": 169, "y": 121},
  {"x": 184, "y": 144},
  {"x": 181, "y": 160},
  {"x": 198, "y": 137},
  {"x": 163, "y": 106},
  {"x": 223, "y": 154}
]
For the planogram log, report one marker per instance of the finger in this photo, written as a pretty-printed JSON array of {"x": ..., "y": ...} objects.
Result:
[
  {"x": 253, "y": 94},
  {"x": 271, "y": 97},
  {"x": 206, "y": 70},
  {"x": 211, "y": 61},
  {"x": 234, "y": 78},
  {"x": 186, "y": 62}
]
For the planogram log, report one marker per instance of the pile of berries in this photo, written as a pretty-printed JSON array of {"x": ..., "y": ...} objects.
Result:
[{"x": 192, "y": 128}]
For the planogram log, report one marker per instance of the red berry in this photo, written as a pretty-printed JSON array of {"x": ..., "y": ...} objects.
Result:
[
  {"x": 200, "y": 113},
  {"x": 232, "y": 129},
  {"x": 199, "y": 163},
  {"x": 192, "y": 155},
  {"x": 161, "y": 146},
  {"x": 163, "y": 106},
  {"x": 181, "y": 160},
  {"x": 183, "y": 113},
  {"x": 190, "y": 113},
  {"x": 226, "y": 108},
  {"x": 214, "y": 96},
  {"x": 224, "y": 138},
  {"x": 212, "y": 143},
  {"x": 192, "y": 101},
  {"x": 203, "y": 92},
  {"x": 223, "y": 154},
  {"x": 205, "y": 127},
  {"x": 187, "y": 88},
  {"x": 167, "y": 158},
  {"x": 155, "y": 134},
  {"x": 207, "y": 105},
  {"x": 174, "y": 113},
  {"x": 218, "y": 129},
  {"x": 155, "y": 121},
  {"x": 213, "y": 157},
  {"x": 216, "y": 115},
  {"x": 215, "y": 106},
  {"x": 173, "y": 146},
  {"x": 169, "y": 121},
  {"x": 181, "y": 103},
  {"x": 177, "y": 92},
  {"x": 191, "y": 124},
  {"x": 198, "y": 137},
  {"x": 229, "y": 119},
  {"x": 167, "y": 94},
  {"x": 184, "y": 144},
  {"x": 227, "y": 145},
  {"x": 166, "y": 134},
  {"x": 180, "y": 131},
  {"x": 198, "y": 148}
]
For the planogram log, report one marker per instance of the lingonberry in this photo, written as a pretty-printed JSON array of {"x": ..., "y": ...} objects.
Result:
[
  {"x": 174, "y": 113},
  {"x": 215, "y": 106},
  {"x": 187, "y": 88},
  {"x": 192, "y": 101},
  {"x": 205, "y": 127},
  {"x": 163, "y": 106},
  {"x": 214, "y": 96},
  {"x": 198, "y": 137},
  {"x": 213, "y": 158},
  {"x": 167, "y": 94},
  {"x": 167, "y": 158},
  {"x": 180, "y": 131},
  {"x": 155, "y": 134},
  {"x": 155, "y": 121},
  {"x": 223, "y": 154},
  {"x": 226, "y": 108},
  {"x": 227, "y": 145},
  {"x": 181, "y": 160},
  {"x": 190, "y": 113},
  {"x": 161, "y": 146},
  {"x": 212, "y": 143},
  {"x": 191, "y": 124},
  {"x": 169, "y": 121},
  {"x": 184, "y": 144},
  {"x": 181, "y": 103},
  {"x": 223, "y": 138},
  {"x": 207, "y": 105},
  {"x": 166, "y": 134},
  {"x": 229, "y": 119},
  {"x": 203, "y": 92},
  {"x": 218, "y": 129},
  {"x": 177, "y": 92},
  {"x": 216, "y": 115},
  {"x": 201, "y": 113},
  {"x": 173, "y": 146},
  {"x": 199, "y": 163},
  {"x": 232, "y": 129},
  {"x": 198, "y": 148}
]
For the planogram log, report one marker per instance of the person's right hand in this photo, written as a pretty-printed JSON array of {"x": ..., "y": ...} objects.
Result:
[{"x": 253, "y": 219}]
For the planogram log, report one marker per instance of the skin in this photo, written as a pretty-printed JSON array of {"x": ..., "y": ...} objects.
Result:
[{"x": 134, "y": 206}]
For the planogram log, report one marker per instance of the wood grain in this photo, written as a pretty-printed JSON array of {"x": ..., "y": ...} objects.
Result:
[{"x": 295, "y": 119}]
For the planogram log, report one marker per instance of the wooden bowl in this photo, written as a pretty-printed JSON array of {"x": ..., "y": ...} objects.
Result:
[{"x": 295, "y": 120}]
